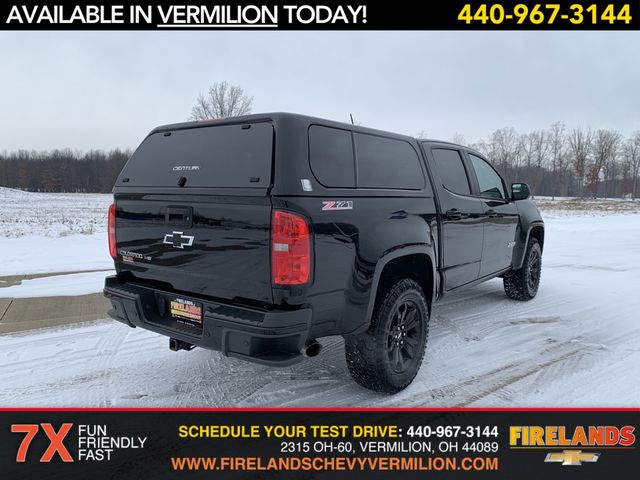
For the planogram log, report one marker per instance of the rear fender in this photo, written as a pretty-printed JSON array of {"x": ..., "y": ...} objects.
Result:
[{"x": 399, "y": 253}]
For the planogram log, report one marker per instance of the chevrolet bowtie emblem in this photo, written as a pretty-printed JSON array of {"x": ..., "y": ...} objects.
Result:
[
  {"x": 572, "y": 457},
  {"x": 178, "y": 240}
]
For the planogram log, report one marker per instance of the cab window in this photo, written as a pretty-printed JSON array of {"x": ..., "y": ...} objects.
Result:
[
  {"x": 451, "y": 170},
  {"x": 488, "y": 179},
  {"x": 387, "y": 163},
  {"x": 331, "y": 156}
]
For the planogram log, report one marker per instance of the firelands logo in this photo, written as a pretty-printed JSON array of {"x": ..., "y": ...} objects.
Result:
[{"x": 570, "y": 442}]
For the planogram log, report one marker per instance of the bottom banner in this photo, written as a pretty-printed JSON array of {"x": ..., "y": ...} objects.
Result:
[{"x": 318, "y": 443}]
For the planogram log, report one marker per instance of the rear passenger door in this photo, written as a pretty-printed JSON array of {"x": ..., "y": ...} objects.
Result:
[
  {"x": 462, "y": 228},
  {"x": 500, "y": 216}
]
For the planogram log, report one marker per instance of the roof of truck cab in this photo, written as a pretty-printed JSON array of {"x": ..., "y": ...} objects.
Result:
[
  {"x": 276, "y": 117},
  {"x": 451, "y": 144},
  {"x": 303, "y": 119}
]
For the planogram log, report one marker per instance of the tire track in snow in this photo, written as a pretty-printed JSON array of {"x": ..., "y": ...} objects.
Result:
[
  {"x": 485, "y": 383},
  {"x": 107, "y": 349},
  {"x": 451, "y": 331}
]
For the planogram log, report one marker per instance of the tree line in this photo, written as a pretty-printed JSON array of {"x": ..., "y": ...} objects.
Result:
[
  {"x": 576, "y": 162},
  {"x": 62, "y": 170}
]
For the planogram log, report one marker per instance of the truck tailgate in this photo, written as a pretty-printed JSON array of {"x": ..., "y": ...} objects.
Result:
[{"x": 217, "y": 246}]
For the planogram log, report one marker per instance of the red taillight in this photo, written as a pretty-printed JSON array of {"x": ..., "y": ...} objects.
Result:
[
  {"x": 111, "y": 227},
  {"x": 290, "y": 249}
]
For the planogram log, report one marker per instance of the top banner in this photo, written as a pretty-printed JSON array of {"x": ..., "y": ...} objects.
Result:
[{"x": 328, "y": 15}]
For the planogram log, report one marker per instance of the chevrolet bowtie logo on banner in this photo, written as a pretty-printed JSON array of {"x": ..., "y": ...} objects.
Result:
[{"x": 572, "y": 457}]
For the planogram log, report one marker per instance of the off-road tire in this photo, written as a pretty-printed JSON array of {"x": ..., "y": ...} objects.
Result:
[
  {"x": 372, "y": 355},
  {"x": 522, "y": 284}
]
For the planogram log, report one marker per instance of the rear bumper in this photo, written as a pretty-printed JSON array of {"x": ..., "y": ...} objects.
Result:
[{"x": 267, "y": 337}]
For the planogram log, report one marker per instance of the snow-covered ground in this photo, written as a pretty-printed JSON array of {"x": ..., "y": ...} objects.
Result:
[
  {"x": 52, "y": 232},
  {"x": 70, "y": 284},
  {"x": 40, "y": 254},
  {"x": 576, "y": 344},
  {"x": 52, "y": 214},
  {"x": 563, "y": 206}
]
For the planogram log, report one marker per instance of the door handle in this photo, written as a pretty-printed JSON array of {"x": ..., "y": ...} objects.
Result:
[
  {"x": 400, "y": 214},
  {"x": 455, "y": 214},
  {"x": 178, "y": 216},
  {"x": 491, "y": 213}
]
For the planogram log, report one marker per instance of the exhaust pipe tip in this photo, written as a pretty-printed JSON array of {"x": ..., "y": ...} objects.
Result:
[{"x": 312, "y": 348}]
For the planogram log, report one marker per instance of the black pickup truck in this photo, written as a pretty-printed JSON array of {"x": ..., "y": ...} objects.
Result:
[{"x": 258, "y": 235}]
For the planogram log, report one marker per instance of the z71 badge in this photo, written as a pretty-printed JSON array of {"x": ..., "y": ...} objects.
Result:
[{"x": 337, "y": 205}]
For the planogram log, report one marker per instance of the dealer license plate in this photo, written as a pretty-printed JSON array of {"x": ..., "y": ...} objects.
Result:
[{"x": 186, "y": 311}]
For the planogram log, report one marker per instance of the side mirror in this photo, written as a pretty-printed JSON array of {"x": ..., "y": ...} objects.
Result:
[{"x": 520, "y": 191}]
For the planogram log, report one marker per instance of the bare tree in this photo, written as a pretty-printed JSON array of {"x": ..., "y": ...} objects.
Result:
[
  {"x": 557, "y": 151},
  {"x": 611, "y": 170},
  {"x": 222, "y": 101},
  {"x": 541, "y": 148},
  {"x": 605, "y": 146},
  {"x": 459, "y": 139},
  {"x": 507, "y": 142},
  {"x": 486, "y": 147},
  {"x": 535, "y": 153},
  {"x": 503, "y": 149},
  {"x": 580, "y": 147},
  {"x": 632, "y": 158},
  {"x": 528, "y": 147}
]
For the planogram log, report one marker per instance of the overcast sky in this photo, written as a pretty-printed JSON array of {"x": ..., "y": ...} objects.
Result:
[{"x": 103, "y": 90}]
